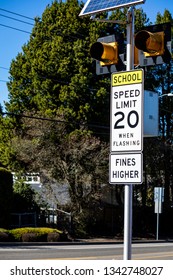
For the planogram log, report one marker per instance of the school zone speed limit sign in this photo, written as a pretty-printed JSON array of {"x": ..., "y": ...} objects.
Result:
[
  {"x": 127, "y": 111},
  {"x": 126, "y": 145}
]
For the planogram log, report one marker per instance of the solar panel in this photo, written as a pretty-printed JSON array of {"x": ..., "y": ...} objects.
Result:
[{"x": 98, "y": 6}]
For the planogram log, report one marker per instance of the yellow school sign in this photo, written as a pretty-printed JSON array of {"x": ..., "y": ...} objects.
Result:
[{"x": 127, "y": 78}]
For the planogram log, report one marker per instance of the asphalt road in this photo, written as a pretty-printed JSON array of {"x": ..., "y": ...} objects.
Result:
[{"x": 140, "y": 251}]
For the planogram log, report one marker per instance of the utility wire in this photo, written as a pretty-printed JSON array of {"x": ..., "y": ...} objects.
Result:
[
  {"x": 20, "y": 15},
  {"x": 59, "y": 33},
  {"x": 4, "y": 68},
  {"x": 22, "y": 21},
  {"x": 31, "y": 19},
  {"x": 52, "y": 79},
  {"x": 70, "y": 36},
  {"x": 15, "y": 28},
  {"x": 52, "y": 120}
]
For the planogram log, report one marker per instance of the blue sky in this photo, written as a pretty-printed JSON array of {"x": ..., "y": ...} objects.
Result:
[{"x": 12, "y": 40}]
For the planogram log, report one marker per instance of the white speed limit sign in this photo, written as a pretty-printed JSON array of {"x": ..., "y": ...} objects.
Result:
[{"x": 127, "y": 111}]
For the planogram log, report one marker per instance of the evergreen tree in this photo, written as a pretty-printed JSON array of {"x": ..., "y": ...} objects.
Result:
[
  {"x": 54, "y": 75},
  {"x": 160, "y": 79}
]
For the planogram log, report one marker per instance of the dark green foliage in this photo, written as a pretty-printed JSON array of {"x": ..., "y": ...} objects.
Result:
[
  {"x": 56, "y": 75},
  {"x": 23, "y": 197},
  {"x": 158, "y": 152}
]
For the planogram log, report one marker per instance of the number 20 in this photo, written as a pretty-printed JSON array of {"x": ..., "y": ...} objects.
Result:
[{"x": 121, "y": 117}]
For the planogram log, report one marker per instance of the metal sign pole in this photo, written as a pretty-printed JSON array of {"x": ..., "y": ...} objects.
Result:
[
  {"x": 158, "y": 210},
  {"x": 88, "y": 9},
  {"x": 128, "y": 221},
  {"x": 158, "y": 199},
  {"x": 157, "y": 228},
  {"x": 128, "y": 198}
]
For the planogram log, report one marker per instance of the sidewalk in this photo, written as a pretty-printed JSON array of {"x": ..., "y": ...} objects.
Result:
[
  {"x": 84, "y": 241},
  {"x": 121, "y": 241}
]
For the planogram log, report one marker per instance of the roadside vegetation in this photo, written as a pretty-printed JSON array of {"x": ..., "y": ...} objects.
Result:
[
  {"x": 29, "y": 234},
  {"x": 56, "y": 123}
]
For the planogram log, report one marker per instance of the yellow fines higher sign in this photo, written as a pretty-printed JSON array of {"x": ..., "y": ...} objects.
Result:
[{"x": 127, "y": 111}]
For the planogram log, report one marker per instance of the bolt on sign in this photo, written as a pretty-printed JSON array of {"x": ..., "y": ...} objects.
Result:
[{"x": 127, "y": 111}]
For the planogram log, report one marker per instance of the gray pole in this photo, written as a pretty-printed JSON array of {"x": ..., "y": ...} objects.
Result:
[
  {"x": 158, "y": 212},
  {"x": 129, "y": 188},
  {"x": 128, "y": 221},
  {"x": 157, "y": 229}
]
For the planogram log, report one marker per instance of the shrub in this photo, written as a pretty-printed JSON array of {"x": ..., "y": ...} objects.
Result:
[
  {"x": 53, "y": 237},
  {"x": 34, "y": 237},
  {"x": 40, "y": 234},
  {"x": 4, "y": 236},
  {"x": 3, "y": 230},
  {"x": 65, "y": 237}
]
